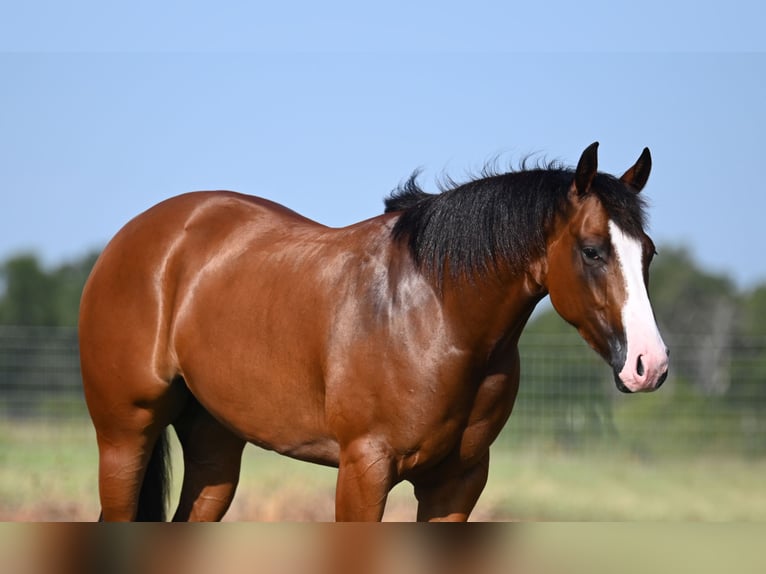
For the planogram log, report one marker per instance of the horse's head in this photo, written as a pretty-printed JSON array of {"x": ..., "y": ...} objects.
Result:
[{"x": 598, "y": 258}]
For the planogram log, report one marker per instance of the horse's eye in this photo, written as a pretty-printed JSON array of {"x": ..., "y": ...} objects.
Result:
[{"x": 591, "y": 253}]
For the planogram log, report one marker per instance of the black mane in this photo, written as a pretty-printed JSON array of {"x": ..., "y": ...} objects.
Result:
[{"x": 469, "y": 229}]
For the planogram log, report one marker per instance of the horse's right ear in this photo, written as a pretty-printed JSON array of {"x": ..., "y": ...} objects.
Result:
[
  {"x": 586, "y": 169},
  {"x": 637, "y": 175}
]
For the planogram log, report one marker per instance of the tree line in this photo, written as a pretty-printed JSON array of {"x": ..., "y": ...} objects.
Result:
[
  {"x": 31, "y": 295},
  {"x": 687, "y": 298}
]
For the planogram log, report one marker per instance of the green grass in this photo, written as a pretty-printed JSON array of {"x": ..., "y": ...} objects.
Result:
[
  {"x": 49, "y": 473},
  {"x": 612, "y": 487}
]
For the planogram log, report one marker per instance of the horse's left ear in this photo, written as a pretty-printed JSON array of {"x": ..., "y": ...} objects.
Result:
[
  {"x": 637, "y": 175},
  {"x": 586, "y": 169}
]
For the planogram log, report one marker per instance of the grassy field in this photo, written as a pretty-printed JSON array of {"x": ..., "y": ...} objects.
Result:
[{"x": 48, "y": 473}]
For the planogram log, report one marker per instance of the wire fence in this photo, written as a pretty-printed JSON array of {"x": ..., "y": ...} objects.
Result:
[
  {"x": 40, "y": 374},
  {"x": 714, "y": 401}
]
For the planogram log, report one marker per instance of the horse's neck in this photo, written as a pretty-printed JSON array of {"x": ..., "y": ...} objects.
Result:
[{"x": 492, "y": 313}]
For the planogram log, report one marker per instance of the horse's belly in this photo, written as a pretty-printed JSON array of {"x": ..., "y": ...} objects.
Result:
[
  {"x": 270, "y": 413},
  {"x": 258, "y": 376}
]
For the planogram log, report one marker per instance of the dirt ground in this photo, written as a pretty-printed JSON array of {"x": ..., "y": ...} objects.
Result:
[{"x": 279, "y": 507}]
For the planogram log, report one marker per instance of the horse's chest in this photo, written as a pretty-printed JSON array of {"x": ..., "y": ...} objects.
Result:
[
  {"x": 463, "y": 439},
  {"x": 488, "y": 414}
]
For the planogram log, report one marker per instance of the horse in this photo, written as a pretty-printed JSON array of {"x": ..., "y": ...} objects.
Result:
[{"x": 387, "y": 349}]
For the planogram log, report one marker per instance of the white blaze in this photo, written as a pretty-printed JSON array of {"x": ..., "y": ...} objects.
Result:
[{"x": 641, "y": 333}]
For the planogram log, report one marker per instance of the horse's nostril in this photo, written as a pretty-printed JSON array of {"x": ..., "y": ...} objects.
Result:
[{"x": 640, "y": 367}]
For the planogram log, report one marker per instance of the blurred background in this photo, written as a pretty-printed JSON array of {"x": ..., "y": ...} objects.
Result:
[
  {"x": 575, "y": 448},
  {"x": 326, "y": 110}
]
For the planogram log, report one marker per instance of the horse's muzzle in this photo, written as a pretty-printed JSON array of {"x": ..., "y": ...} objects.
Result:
[{"x": 644, "y": 377}]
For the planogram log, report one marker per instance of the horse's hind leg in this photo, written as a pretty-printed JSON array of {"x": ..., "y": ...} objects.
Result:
[
  {"x": 212, "y": 457},
  {"x": 124, "y": 454},
  {"x": 127, "y": 434}
]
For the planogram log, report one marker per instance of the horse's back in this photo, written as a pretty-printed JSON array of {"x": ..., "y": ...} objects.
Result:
[{"x": 193, "y": 225}]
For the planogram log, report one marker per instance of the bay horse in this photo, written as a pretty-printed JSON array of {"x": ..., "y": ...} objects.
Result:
[{"x": 387, "y": 349}]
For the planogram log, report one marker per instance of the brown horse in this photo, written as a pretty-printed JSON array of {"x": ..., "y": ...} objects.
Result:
[{"x": 387, "y": 348}]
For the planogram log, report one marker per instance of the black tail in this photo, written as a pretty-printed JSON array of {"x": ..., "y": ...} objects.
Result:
[{"x": 154, "y": 490}]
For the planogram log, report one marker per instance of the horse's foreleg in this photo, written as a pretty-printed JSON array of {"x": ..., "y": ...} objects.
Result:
[
  {"x": 365, "y": 475},
  {"x": 452, "y": 499},
  {"x": 212, "y": 458}
]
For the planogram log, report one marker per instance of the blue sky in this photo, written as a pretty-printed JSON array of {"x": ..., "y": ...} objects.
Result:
[{"x": 104, "y": 113}]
